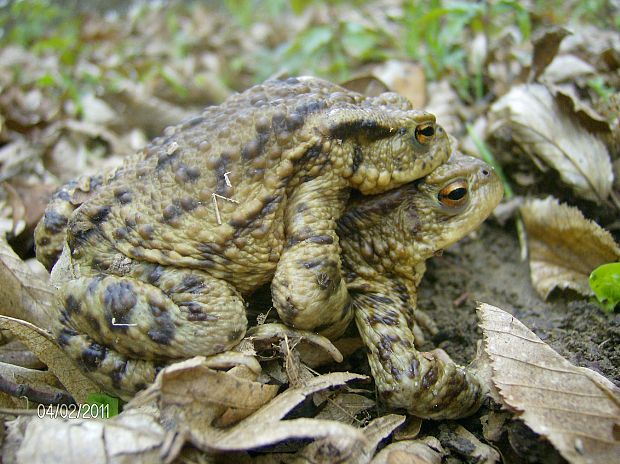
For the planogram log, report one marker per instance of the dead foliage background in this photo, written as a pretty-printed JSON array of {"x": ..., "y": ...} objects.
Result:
[{"x": 532, "y": 87}]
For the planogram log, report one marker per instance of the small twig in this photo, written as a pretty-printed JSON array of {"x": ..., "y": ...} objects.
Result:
[{"x": 38, "y": 396}]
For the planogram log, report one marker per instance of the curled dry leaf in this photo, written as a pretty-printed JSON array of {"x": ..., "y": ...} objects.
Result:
[
  {"x": 44, "y": 347},
  {"x": 546, "y": 45},
  {"x": 23, "y": 295},
  {"x": 464, "y": 443},
  {"x": 426, "y": 450},
  {"x": 544, "y": 131},
  {"x": 126, "y": 438},
  {"x": 344, "y": 450},
  {"x": 344, "y": 407},
  {"x": 564, "y": 247},
  {"x": 575, "y": 408},
  {"x": 264, "y": 335},
  {"x": 192, "y": 396}
]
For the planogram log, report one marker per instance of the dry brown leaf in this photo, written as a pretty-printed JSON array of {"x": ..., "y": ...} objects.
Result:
[
  {"x": 263, "y": 336},
  {"x": 368, "y": 85},
  {"x": 405, "y": 78},
  {"x": 464, "y": 443},
  {"x": 23, "y": 295},
  {"x": 563, "y": 246},
  {"x": 446, "y": 105},
  {"x": 575, "y": 408},
  {"x": 426, "y": 450},
  {"x": 14, "y": 352},
  {"x": 190, "y": 386},
  {"x": 544, "y": 131},
  {"x": 32, "y": 377},
  {"x": 546, "y": 45},
  {"x": 344, "y": 450},
  {"x": 344, "y": 407},
  {"x": 191, "y": 413},
  {"x": 42, "y": 345},
  {"x": 567, "y": 96},
  {"x": 126, "y": 438},
  {"x": 567, "y": 68}
]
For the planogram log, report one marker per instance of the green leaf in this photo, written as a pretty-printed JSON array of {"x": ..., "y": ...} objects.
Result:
[
  {"x": 358, "y": 41},
  {"x": 605, "y": 283},
  {"x": 103, "y": 406}
]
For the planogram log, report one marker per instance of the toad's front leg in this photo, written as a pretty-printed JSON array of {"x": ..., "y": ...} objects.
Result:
[
  {"x": 428, "y": 384},
  {"x": 308, "y": 290}
]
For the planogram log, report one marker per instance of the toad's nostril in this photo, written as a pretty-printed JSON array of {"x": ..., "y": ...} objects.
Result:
[{"x": 485, "y": 173}]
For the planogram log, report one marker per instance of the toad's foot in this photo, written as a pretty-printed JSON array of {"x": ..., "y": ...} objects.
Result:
[{"x": 429, "y": 384}]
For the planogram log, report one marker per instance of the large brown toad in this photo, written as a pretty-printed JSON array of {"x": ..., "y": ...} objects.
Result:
[
  {"x": 385, "y": 242},
  {"x": 158, "y": 257}
]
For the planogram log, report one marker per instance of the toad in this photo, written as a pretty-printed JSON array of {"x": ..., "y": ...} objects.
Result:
[
  {"x": 157, "y": 257},
  {"x": 385, "y": 242}
]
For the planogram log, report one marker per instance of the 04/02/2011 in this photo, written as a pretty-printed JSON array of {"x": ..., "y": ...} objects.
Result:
[{"x": 74, "y": 411}]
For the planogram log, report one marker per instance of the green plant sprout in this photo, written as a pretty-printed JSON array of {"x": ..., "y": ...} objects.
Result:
[{"x": 605, "y": 283}]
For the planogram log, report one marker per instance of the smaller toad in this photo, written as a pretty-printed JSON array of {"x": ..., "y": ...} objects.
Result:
[{"x": 386, "y": 240}]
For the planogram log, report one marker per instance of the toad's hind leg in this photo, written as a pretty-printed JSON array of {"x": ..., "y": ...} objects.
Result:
[
  {"x": 155, "y": 313},
  {"x": 428, "y": 385},
  {"x": 308, "y": 290}
]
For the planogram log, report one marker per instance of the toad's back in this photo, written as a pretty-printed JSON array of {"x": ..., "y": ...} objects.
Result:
[{"x": 211, "y": 192}]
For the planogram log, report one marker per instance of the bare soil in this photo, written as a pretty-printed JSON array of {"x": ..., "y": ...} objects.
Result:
[{"x": 487, "y": 267}]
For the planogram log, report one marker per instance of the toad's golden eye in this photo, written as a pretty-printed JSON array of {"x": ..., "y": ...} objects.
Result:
[
  {"x": 424, "y": 133},
  {"x": 454, "y": 194}
]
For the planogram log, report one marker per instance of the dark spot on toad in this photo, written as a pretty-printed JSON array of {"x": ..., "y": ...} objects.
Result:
[
  {"x": 360, "y": 129},
  {"x": 72, "y": 305},
  {"x": 310, "y": 156},
  {"x": 358, "y": 157},
  {"x": 412, "y": 370},
  {"x": 123, "y": 195},
  {"x": 190, "y": 284},
  {"x": 380, "y": 299},
  {"x": 93, "y": 356},
  {"x": 235, "y": 335},
  {"x": 94, "y": 323},
  {"x": 121, "y": 233},
  {"x": 62, "y": 194},
  {"x": 155, "y": 274},
  {"x": 430, "y": 377},
  {"x": 187, "y": 174},
  {"x": 118, "y": 373},
  {"x": 100, "y": 214},
  {"x": 146, "y": 231},
  {"x": 54, "y": 222},
  {"x": 171, "y": 212},
  {"x": 188, "y": 203},
  {"x": 312, "y": 263},
  {"x": 94, "y": 283},
  {"x": 44, "y": 241},
  {"x": 193, "y": 122},
  {"x": 221, "y": 168},
  {"x": 119, "y": 298},
  {"x": 65, "y": 336},
  {"x": 166, "y": 160},
  {"x": 163, "y": 329},
  {"x": 78, "y": 235},
  {"x": 310, "y": 107},
  {"x": 321, "y": 239}
]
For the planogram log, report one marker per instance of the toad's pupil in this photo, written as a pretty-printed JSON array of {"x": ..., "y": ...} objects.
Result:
[
  {"x": 427, "y": 131},
  {"x": 457, "y": 193}
]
